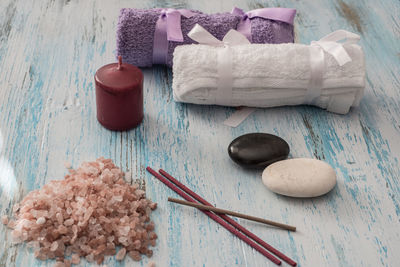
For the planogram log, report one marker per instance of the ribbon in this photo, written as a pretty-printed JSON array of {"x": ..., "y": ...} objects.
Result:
[
  {"x": 223, "y": 95},
  {"x": 331, "y": 45},
  {"x": 279, "y": 14},
  {"x": 238, "y": 116},
  {"x": 168, "y": 28}
]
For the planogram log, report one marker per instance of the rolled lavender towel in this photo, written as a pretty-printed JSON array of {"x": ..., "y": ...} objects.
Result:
[
  {"x": 139, "y": 30},
  {"x": 327, "y": 74}
]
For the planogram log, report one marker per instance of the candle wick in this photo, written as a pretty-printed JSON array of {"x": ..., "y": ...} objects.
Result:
[{"x": 119, "y": 63}]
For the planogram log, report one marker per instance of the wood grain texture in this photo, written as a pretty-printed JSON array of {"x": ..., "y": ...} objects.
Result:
[{"x": 49, "y": 52}]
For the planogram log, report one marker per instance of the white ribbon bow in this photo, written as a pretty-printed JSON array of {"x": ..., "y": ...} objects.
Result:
[
  {"x": 202, "y": 36},
  {"x": 331, "y": 45}
]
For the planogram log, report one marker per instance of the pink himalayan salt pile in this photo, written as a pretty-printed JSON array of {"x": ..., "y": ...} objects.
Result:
[{"x": 87, "y": 214}]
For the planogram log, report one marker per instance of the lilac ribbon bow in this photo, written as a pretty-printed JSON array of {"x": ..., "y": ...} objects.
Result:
[
  {"x": 278, "y": 14},
  {"x": 168, "y": 28}
]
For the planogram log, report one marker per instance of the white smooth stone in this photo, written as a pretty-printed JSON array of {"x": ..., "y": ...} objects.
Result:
[{"x": 300, "y": 177}]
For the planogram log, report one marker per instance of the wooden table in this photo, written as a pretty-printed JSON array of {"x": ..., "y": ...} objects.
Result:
[{"x": 49, "y": 52}]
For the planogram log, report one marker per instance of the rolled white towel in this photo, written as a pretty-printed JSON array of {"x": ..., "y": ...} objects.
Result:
[{"x": 268, "y": 75}]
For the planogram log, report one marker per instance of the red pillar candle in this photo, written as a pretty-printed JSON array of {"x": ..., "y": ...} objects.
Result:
[{"x": 119, "y": 96}]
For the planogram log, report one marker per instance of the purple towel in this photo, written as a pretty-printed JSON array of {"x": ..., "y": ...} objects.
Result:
[{"x": 136, "y": 27}]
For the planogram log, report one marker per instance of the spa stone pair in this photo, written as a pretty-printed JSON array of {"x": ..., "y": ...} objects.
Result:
[{"x": 299, "y": 177}]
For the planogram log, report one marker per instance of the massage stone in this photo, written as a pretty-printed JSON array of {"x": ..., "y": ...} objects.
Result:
[
  {"x": 257, "y": 150},
  {"x": 300, "y": 177}
]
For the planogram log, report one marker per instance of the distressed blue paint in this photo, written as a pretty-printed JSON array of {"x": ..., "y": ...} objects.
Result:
[{"x": 49, "y": 53}]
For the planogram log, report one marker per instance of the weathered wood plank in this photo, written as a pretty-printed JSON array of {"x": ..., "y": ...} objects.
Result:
[{"x": 49, "y": 52}]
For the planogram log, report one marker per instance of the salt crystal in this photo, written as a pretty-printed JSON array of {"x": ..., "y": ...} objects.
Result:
[
  {"x": 149, "y": 253},
  {"x": 150, "y": 226},
  {"x": 74, "y": 229},
  {"x": 68, "y": 251},
  {"x": 100, "y": 249},
  {"x": 121, "y": 254},
  {"x": 34, "y": 213},
  {"x": 15, "y": 207},
  {"x": 101, "y": 165},
  {"x": 75, "y": 259},
  {"x": 54, "y": 246},
  {"x": 152, "y": 235},
  {"x": 62, "y": 229},
  {"x": 69, "y": 222},
  {"x": 67, "y": 165},
  {"x": 11, "y": 224},
  {"x": 69, "y": 210},
  {"x": 135, "y": 255},
  {"x": 39, "y": 255},
  {"x": 24, "y": 236},
  {"x": 140, "y": 193},
  {"x": 67, "y": 263},
  {"x": 153, "y": 205},
  {"x": 99, "y": 259},
  {"x": 59, "y": 264},
  {"x": 128, "y": 176},
  {"x": 40, "y": 220},
  {"x": 85, "y": 248},
  {"x": 125, "y": 219},
  {"x": 90, "y": 257},
  {"x": 110, "y": 249},
  {"x": 88, "y": 213},
  {"x": 75, "y": 233},
  {"x": 124, "y": 230},
  {"x": 122, "y": 239},
  {"x": 60, "y": 218},
  {"x": 102, "y": 239},
  {"x": 117, "y": 198},
  {"x": 137, "y": 244},
  {"x": 4, "y": 219}
]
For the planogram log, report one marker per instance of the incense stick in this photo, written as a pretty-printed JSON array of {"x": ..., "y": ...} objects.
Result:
[
  {"x": 216, "y": 218},
  {"x": 230, "y": 220},
  {"x": 233, "y": 213}
]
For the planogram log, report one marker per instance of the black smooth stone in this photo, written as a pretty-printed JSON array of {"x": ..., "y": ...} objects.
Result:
[{"x": 258, "y": 150}]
